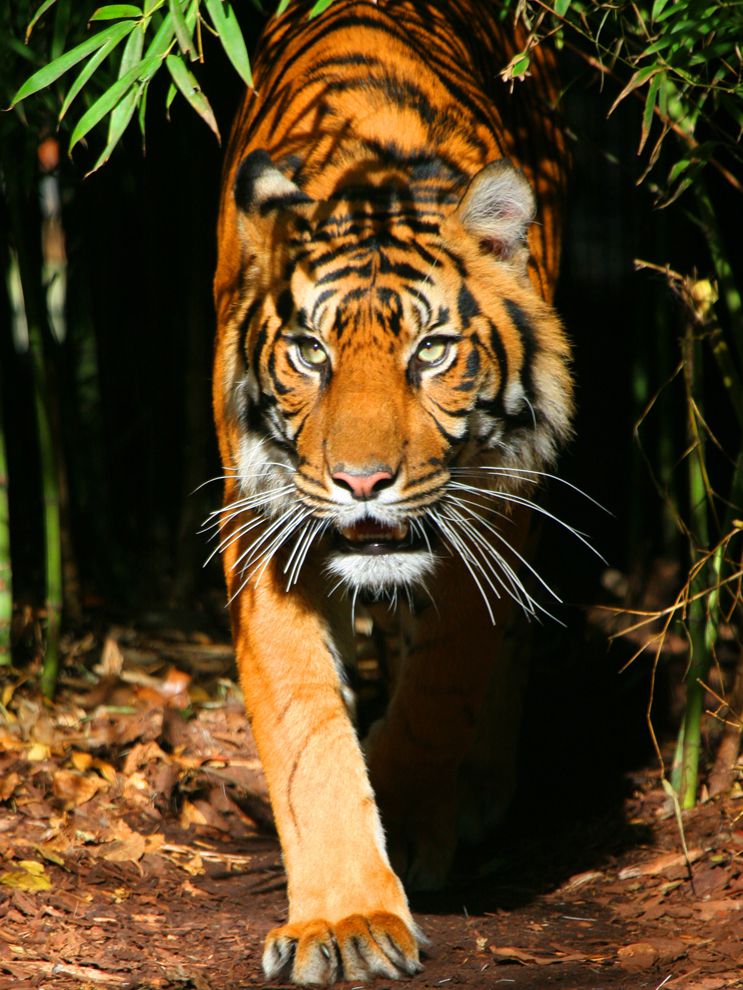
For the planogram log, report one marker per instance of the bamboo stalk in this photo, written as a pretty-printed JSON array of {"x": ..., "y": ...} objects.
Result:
[
  {"x": 6, "y": 567},
  {"x": 26, "y": 234}
]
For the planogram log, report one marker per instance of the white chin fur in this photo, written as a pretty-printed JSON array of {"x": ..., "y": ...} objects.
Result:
[{"x": 383, "y": 572}]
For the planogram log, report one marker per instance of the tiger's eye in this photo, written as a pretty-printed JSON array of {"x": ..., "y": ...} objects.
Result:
[
  {"x": 312, "y": 352},
  {"x": 433, "y": 351}
]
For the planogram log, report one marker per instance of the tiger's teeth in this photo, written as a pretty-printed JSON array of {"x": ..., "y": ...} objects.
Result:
[{"x": 370, "y": 529}]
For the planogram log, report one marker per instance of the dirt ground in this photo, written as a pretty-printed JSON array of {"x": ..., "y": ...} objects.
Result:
[{"x": 137, "y": 852}]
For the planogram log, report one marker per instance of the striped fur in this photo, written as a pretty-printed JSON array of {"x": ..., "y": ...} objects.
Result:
[{"x": 390, "y": 379}]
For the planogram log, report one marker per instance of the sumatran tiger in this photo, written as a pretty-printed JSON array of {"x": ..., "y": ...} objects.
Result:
[{"x": 390, "y": 383}]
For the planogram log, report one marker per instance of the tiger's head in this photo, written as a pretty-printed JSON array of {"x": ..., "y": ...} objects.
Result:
[{"x": 389, "y": 366}]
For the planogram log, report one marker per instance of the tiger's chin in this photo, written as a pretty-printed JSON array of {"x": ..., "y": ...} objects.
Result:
[{"x": 378, "y": 566}]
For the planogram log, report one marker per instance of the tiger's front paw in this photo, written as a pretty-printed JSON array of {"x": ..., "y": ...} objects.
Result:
[{"x": 359, "y": 947}]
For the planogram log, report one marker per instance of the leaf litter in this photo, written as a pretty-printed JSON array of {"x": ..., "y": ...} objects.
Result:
[{"x": 137, "y": 850}]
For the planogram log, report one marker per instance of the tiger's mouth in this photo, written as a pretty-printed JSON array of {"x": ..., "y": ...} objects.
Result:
[{"x": 368, "y": 536}]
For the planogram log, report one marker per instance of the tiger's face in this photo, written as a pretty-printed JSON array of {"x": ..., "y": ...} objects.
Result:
[{"x": 388, "y": 370}]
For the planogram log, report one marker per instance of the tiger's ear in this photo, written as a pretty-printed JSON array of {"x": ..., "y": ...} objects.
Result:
[
  {"x": 264, "y": 196},
  {"x": 497, "y": 209}
]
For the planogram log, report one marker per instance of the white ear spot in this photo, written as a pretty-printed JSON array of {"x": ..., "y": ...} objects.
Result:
[{"x": 497, "y": 208}]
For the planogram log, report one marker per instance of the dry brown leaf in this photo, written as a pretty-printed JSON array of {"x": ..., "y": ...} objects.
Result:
[
  {"x": 191, "y": 815},
  {"x": 154, "y": 842},
  {"x": 81, "y": 761},
  {"x": 129, "y": 850},
  {"x": 510, "y": 953},
  {"x": 709, "y": 910},
  {"x": 112, "y": 659},
  {"x": 668, "y": 861},
  {"x": 637, "y": 956},
  {"x": 75, "y": 788},
  {"x": 8, "y": 784},
  {"x": 142, "y": 754}
]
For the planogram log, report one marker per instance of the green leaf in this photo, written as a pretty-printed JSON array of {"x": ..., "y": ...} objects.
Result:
[
  {"x": 37, "y": 16},
  {"x": 105, "y": 103},
  {"x": 188, "y": 85},
  {"x": 657, "y": 9},
  {"x": 60, "y": 29},
  {"x": 120, "y": 118},
  {"x": 319, "y": 7},
  {"x": 283, "y": 4},
  {"x": 637, "y": 80},
  {"x": 115, "y": 11},
  {"x": 647, "y": 116},
  {"x": 163, "y": 37},
  {"x": 51, "y": 72},
  {"x": 182, "y": 33},
  {"x": 225, "y": 23},
  {"x": 561, "y": 7},
  {"x": 132, "y": 52},
  {"x": 91, "y": 65}
]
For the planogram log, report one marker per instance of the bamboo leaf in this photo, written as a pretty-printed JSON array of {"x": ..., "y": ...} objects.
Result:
[
  {"x": 91, "y": 65},
  {"x": 647, "y": 115},
  {"x": 182, "y": 32},
  {"x": 637, "y": 80},
  {"x": 120, "y": 118},
  {"x": 51, "y": 72},
  {"x": 657, "y": 9},
  {"x": 231, "y": 37},
  {"x": 37, "y": 16},
  {"x": 561, "y": 7},
  {"x": 105, "y": 103},
  {"x": 319, "y": 7},
  {"x": 188, "y": 85},
  {"x": 115, "y": 11},
  {"x": 283, "y": 4}
]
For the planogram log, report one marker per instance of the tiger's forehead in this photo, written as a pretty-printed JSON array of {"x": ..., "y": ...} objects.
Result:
[{"x": 377, "y": 282}]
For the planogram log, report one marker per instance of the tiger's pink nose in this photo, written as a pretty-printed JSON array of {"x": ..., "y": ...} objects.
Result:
[{"x": 363, "y": 486}]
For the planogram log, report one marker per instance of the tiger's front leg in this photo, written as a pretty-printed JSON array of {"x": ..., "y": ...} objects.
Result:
[{"x": 348, "y": 914}]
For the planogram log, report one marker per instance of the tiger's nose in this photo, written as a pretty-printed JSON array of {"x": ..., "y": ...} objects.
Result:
[{"x": 363, "y": 486}]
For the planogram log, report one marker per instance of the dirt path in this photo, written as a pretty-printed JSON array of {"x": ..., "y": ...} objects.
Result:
[{"x": 135, "y": 855}]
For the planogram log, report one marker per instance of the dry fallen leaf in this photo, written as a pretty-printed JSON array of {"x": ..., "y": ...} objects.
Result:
[
  {"x": 510, "y": 953},
  {"x": 29, "y": 876},
  {"x": 8, "y": 784},
  {"x": 668, "y": 861},
  {"x": 637, "y": 956},
  {"x": 75, "y": 788}
]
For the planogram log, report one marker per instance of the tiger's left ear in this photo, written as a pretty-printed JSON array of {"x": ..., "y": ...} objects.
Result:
[{"x": 497, "y": 209}]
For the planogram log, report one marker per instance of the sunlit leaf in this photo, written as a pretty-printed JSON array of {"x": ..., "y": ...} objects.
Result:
[
  {"x": 649, "y": 110},
  {"x": 561, "y": 7},
  {"x": 319, "y": 7},
  {"x": 637, "y": 80},
  {"x": 92, "y": 64},
  {"x": 182, "y": 33},
  {"x": 30, "y": 877},
  {"x": 231, "y": 37},
  {"x": 283, "y": 4},
  {"x": 189, "y": 87},
  {"x": 51, "y": 72},
  {"x": 105, "y": 103},
  {"x": 115, "y": 11}
]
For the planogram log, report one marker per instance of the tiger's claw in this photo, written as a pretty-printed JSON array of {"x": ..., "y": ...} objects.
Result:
[{"x": 359, "y": 947}]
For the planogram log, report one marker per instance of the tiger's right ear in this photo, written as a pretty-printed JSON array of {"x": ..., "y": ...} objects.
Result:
[{"x": 263, "y": 194}]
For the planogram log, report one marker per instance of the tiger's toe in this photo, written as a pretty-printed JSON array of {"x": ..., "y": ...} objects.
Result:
[{"x": 315, "y": 953}]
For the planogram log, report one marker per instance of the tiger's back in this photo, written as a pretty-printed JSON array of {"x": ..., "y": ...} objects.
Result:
[{"x": 389, "y": 380}]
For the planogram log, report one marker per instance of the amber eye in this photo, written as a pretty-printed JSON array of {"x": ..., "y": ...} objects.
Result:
[
  {"x": 433, "y": 350},
  {"x": 311, "y": 352}
]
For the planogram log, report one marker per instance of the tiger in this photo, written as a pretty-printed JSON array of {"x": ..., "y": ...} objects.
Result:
[{"x": 391, "y": 381}]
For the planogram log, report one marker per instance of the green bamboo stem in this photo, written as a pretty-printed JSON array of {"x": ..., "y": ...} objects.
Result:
[
  {"x": 26, "y": 234},
  {"x": 6, "y": 568},
  {"x": 701, "y": 638},
  {"x": 52, "y": 521}
]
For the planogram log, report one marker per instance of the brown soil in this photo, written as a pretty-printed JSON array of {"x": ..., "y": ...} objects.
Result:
[{"x": 136, "y": 852}]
